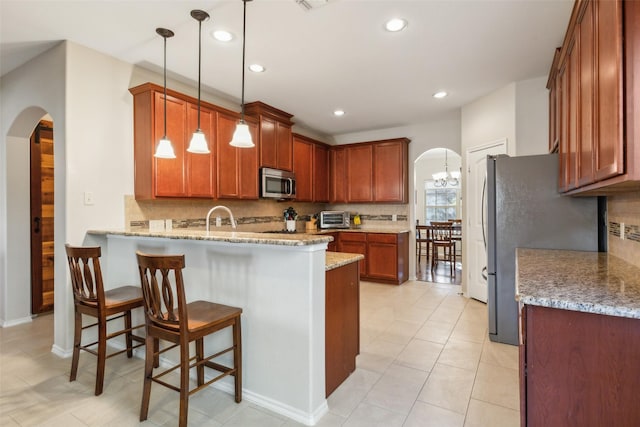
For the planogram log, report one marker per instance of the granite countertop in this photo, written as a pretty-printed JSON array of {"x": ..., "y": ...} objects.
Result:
[
  {"x": 591, "y": 282},
  {"x": 338, "y": 259},
  {"x": 383, "y": 230},
  {"x": 284, "y": 239}
]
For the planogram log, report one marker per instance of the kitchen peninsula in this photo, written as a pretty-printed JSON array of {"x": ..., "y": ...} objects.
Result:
[
  {"x": 277, "y": 279},
  {"x": 579, "y": 338}
]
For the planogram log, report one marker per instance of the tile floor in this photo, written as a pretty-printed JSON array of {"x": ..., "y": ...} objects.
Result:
[{"x": 425, "y": 361}]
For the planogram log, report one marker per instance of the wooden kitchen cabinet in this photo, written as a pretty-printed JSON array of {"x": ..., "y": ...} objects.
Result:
[
  {"x": 333, "y": 245},
  {"x": 386, "y": 255},
  {"x": 311, "y": 168},
  {"x": 338, "y": 175},
  {"x": 578, "y": 369},
  {"x": 592, "y": 99},
  {"x": 342, "y": 324},
  {"x": 200, "y": 170},
  {"x": 274, "y": 135},
  {"x": 370, "y": 172},
  {"x": 237, "y": 167}
]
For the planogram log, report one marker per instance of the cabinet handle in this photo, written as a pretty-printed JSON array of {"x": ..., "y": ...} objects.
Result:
[{"x": 36, "y": 224}]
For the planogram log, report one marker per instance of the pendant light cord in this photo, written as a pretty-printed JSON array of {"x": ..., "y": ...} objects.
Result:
[
  {"x": 165, "y": 87},
  {"x": 199, "y": 65},
  {"x": 244, "y": 29}
]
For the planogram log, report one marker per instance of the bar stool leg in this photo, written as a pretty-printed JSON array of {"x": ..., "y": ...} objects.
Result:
[
  {"x": 184, "y": 383},
  {"x": 150, "y": 357},
  {"x": 102, "y": 354},
  {"x": 237, "y": 359},
  {"x": 77, "y": 336}
]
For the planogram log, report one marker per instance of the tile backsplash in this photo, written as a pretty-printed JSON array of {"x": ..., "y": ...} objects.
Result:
[
  {"x": 624, "y": 209},
  {"x": 251, "y": 215}
]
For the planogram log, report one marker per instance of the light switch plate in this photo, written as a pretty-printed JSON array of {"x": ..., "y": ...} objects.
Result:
[{"x": 88, "y": 198}]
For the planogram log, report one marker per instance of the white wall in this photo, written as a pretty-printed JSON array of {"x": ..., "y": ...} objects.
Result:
[{"x": 532, "y": 117}]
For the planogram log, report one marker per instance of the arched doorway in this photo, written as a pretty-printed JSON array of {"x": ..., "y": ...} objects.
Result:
[{"x": 437, "y": 198}]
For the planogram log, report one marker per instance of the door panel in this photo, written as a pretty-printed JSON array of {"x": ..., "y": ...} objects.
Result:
[
  {"x": 42, "y": 198},
  {"x": 476, "y": 218}
]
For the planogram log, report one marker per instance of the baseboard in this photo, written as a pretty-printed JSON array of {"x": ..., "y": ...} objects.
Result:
[{"x": 15, "y": 322}]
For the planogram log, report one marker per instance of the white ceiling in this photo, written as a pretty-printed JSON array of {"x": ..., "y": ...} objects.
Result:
[{"x": 334, "y": 56}]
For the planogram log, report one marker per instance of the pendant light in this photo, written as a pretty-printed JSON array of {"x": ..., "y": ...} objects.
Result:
[
  {"x": 242, "y": 136},
  {"x": 198, "y": 144},
  {"x": 164, "y": 150}
]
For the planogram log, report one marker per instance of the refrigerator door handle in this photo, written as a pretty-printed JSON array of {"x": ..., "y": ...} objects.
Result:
[{"x": 484, "y": 233}]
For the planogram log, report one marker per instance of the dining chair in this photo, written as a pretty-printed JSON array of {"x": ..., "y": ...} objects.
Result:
[
  {"x": 90, "y": 299},
  {"x": 423, "y": 239},
  {"x": 442, "y": 239},
  {"x": 456, "y": 233},
  {"x": 169, "y": 317}
]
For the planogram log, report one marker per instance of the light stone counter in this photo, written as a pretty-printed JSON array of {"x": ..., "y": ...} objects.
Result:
[
  {"x": 338, "y": 259},
  {"x": 382, "y": 230},
  {"x": 590, "y": 282}
]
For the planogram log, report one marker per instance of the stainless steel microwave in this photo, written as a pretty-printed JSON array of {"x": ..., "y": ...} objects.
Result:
[
  {"x": 277, "y": 184},
  {"x": 335, "y": 219}
]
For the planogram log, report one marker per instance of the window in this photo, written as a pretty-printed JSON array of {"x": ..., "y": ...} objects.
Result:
[{"x": 441, "y": 203}]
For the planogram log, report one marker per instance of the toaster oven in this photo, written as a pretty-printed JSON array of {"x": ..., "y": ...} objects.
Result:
[{"x": 334, "y": 219}]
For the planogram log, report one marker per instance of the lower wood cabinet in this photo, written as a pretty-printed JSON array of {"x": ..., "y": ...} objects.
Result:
[
  {"x": 342, "y": 324},
  {"x": 578, "y": 369},
  {"x": 386, "y": 255}
]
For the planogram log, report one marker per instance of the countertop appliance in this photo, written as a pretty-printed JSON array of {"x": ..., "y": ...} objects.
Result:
[
  {"x": 524, "y": 209},
  {"x": 335, "y": 219},
  {"x": 277, "y": 184}
]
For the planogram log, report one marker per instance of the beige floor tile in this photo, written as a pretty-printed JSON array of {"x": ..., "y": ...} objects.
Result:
[
  {"x": 426, "y": 415},
  {"x": 373, "y": 362},
  {"x": 397, "y": 389},
  {"x": 446, "y": 314},
  {"x": 497, "y": 385},
  {"x": 461, "y": 354},
  {"x": 383, "y": 348},
  {"x": 504, "y": 355},
  {"x": 435, "y": 331},
  {"x": 400, "y": 332},
  {"x": 348, "y": 396},
  {"x": 474, "y": 332},
  {"x": 366, "y": 415},
  {"x": 420, "y": 354},
  {"x": 483, "y": 414},
  {"x": 251, "y": 417},
  {"x": 448, "y": 387}
]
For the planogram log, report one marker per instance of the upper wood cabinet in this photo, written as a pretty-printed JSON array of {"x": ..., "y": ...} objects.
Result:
[
  {"x": 237, "y": 167},
  {"x": 311, "y": 168},
  {"x": 593, "y": 86},
  {"x": 274, "y": 135},
  {"x": 188, "y": 175},
  {"x": 370, "y": 172}
]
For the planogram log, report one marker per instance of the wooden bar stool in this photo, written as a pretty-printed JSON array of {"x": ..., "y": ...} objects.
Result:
[
  {"x": 91, "y": 299},
  {"x": 169, "y": 317}
]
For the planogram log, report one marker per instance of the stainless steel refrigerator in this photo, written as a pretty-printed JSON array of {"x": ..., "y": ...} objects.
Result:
[{"x": 524, "y": 209}]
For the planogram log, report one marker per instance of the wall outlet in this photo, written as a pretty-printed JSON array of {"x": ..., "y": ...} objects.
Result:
[
  {"x": 218, "y": 221},
  {"x": 88, "y": 198},
  {"x": 394, "y": 217},
  {"x": 156, "y": 225},
  {"x": 168, "y": 224},
  {"x": 622, "y": 230}
]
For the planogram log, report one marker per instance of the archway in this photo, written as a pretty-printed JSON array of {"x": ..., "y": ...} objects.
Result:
[{"x": 437, "y": 200}]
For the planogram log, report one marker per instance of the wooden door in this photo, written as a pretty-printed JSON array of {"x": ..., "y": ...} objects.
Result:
[
  {"x": 228, "y": 183},
  {"x": 355, "y": 243},
  {"x": 302, "y": 161},
  {"x": 41, "y": 149},
  {"x": 383, "y": 256},
  {"x": 360, "y": 173},
  {"x": 268, "y": 146},
  {"x": 338, "y": 175},
  {"x": 390, "y": 172},
  {"x": 573, "y": 71},
  {"x": 200, "y": 167},
  {"x": 284, "y": 150},
  {"x": 586, "y": 90},
  {"x": 170, "y": 178},
  {"x": 248, "y": 166}
]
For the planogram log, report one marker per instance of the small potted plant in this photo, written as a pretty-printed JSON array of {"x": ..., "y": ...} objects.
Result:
[{"x": 290, "y": 216}]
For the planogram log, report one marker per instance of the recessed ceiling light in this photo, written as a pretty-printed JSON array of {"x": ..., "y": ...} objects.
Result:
[
  {"x": 338, "y": 113},
  {"x": 257, "y": 68},
  {"x": 222, "y": 35},
  {"x": 440, "y": 95},
  {"x": 395, "y": 24}
]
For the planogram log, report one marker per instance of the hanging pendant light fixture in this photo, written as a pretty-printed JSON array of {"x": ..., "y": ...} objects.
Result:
[
  {"x": 242, "y": 136},
  {"x": 442, "y": 179},
  {"x": 164, "y": 150},
  {"x": 198, "y": 144}
]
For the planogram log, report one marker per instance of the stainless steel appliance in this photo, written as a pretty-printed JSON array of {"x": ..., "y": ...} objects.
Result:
[
  {"x": 277, "y": 184},
  {"x": 524, "y": 209},
  {"x": 335, "y": 219}
]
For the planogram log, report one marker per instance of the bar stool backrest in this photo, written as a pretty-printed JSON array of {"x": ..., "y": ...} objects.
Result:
[{"x": 86, "y": 275}]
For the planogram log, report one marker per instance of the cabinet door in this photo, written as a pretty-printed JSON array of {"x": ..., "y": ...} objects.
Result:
[
  {"x": 383, "y": 256},
  {"x": 355, "y": 243},
  {"x": 573, "y": 70},
  {"x": 563, "y": 116},
  {"x": 586, "y": 34},
  {"x": 320, "y": 181},
  {"x": 268, "y": 148},
  {"x": 610, "y": 145},
  {"x": 237, "y": 167},
  {"x": 169, "y": 174},
  {"x": 390, "y": 172},
  {"x": 284, "y": 149},
  {"x": 200, "y": 167},
  {"x": 302, "y": 168},
  {"x": 360, "y": 173},
  {"x": 338, "y": 175}
]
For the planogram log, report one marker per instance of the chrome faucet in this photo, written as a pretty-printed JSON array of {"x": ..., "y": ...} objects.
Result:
[{"x": 224, "y": 208}]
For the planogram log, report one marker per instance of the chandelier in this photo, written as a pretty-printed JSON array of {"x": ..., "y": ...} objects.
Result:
[{"x": 442, "y": 179}]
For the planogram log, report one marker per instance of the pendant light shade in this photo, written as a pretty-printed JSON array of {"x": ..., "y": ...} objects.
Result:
[
  {"x": 164, "y": 150},
  {"x": 242, "y": 136},
  {"x": 198, "y": 144}
]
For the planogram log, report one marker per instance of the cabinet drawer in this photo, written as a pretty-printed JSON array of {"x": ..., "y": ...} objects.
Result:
[
  {"x": 382, "y": 238},
  {"x": 353, "y": 237}
]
